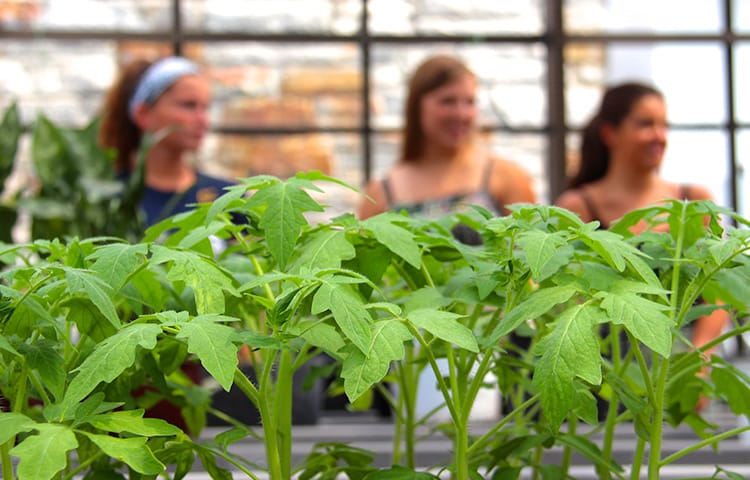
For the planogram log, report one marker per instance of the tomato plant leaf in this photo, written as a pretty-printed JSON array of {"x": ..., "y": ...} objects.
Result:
[
  {"x": 109, "y": 359},
  {"x": 445, "y": 326},
  {"x": 212, "y": 343},
  {"x": 282, "y": 219},
  {"x": 42, "y": 357},
  {"x": 325, "y": 249},
  {"x": 537, "y": 304},
  {"x": 87, "y": 283},
  {"x": 42, "y": 456},
  {"x": 115, "y": 262},
  {"x": 362, "y": 369},
  {"x": 132, "y": 421},
  {"x": 544, "y": 251},
  {"x": 643, "y": 318},
  {"x": 396, "y": 238},
  {"x": 348, "y": 311},
  {"x": 13, "y": 423},
  {"x": 132, "y": 451},
  {"x": 571, "y": 350},
  {"x": 200, "y": 273}
]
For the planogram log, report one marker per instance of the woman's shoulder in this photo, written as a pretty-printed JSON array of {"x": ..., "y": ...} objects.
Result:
[
  {"x": 510, "y": 182},
  {"x": 573, "y": 199}
]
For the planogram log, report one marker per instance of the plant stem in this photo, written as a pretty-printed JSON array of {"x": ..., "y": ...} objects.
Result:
[
  {"x": 283, "y": 407},
  {"x": 479, "y": 443},
  {"x": 6, "y": 460},
  {"x": 703, "y": 443},
  {"x": 638, "y": 454}
]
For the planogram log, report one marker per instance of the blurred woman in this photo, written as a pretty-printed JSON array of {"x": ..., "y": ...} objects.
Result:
[
  {"x": 622, "y": 149},
  {"x": 169, "y": 96},
  {"x": 442, "y": 166}
]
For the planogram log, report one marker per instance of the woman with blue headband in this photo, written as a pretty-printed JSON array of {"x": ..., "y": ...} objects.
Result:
[{"x": 171, "y": 95}]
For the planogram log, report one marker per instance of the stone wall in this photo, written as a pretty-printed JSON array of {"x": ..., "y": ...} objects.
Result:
[{"x": 309, "y": 85}]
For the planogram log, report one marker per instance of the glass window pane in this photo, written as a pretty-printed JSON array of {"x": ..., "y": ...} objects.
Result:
[
  {"x": 63, "y": 80},
  {"x": 512, "y": 81},
  {"x": 127, "y": 15},
  {"x": 643, "y": 16},
  {"x": 695, "y": 96},
  {"x": 273, "y": 16},
  {"x": 743, "y": 167},
  {"x": 468, "y": 17},
  {"x": 272, "y": 85},
  {"x": 700, "y": 157},
  {"x": 741, "y": 15},
  {"x": 741, "y": 81}
]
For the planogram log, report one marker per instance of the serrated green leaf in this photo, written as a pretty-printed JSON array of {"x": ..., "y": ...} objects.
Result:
[
  {"x": 12, "y": 423},
  {"x": 257, "y": 340},
  {"x": 88, "y": 319},
  {"x": 428, "y": 297},
  {"x": 321, "y": 335},
  {"x": 397, "y": 239},
  {"x": 325, "y": 249},
  {"x": 348, "y": 311},
  {"x": 88, "y": 284},
  {"x": 731, "y": 388},
  {"x": 212, "y": 343},
  {"x": 361, "y": 371},
  {"x": 544, "y": 251},
  {"x": 109, "y": 359},
  {"x": 133, "y": 451},
  {"x": 536, "y": 305},
  {"x": 132, "y": 421},
  {"x": 644, "y": 319},
  {"x": 115, "y": 262},
  {"x": 42, "y": 456},
  {"x": 283, "y": 218},
  {"x": 200, "y": 233},
  {"x": 207, "y": 280},
  {"x": 445, "y": 326},
  {"x": 42, "y": 357},
  {"x": 571, "y": 350}
]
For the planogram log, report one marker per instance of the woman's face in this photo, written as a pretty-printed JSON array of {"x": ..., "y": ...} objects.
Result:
[
  {"x": 448, "y": 113},
  {"x": 641, "y": 138},
  {"x": 183, "y": 106}
]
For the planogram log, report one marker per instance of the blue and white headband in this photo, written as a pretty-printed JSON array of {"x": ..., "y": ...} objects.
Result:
[{"x": 158, "y": 78}]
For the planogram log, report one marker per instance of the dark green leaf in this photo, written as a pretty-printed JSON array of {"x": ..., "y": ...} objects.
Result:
[
  {"x": 325, "y": 249},
  {"x": 544, "y": 251},
  {"x": 42, "y": 357},
  {"x": 643, "y": 318}
]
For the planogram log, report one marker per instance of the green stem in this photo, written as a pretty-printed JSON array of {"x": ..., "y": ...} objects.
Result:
[
  {"x": 662, "y": 367},
  {"x": 6, "y": 460},
  {"x": 638, "y": 454},
  {"x": 568, "y": 451},
  {"x": 490, "y": 434},
  {"x": 83, "y": 466},
  {"x": 283, "y": 407},
  {"x": 703, "y": 443},
  {"x": 409, "y": 392}
]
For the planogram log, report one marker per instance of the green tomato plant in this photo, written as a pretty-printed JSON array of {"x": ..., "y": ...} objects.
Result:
[{"x": 538, "y": 310}]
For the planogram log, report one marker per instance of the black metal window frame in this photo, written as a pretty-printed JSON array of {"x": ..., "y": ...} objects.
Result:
[{"x": 554, "y": 38}]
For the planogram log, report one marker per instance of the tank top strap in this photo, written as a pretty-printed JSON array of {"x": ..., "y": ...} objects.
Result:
[
  {"x": 487, "y": 173},
  {"x": 684, "y": 192},
  {"x": 591, "y": 207},
  {"x": 387, "y": 191}
]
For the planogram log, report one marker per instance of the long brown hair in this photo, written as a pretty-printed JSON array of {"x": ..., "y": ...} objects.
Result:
[
  {"x": 433, "y": 73},
  {"x": 617, "y": 103},
  {"x": 117, "y": 129}
]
